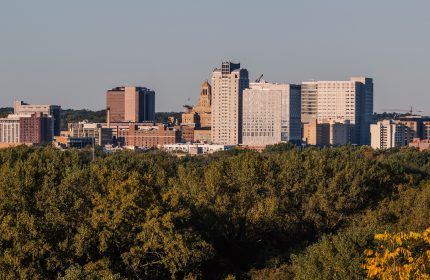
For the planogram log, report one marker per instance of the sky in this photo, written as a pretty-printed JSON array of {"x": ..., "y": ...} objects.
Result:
[{"x": 70, "y": 52}]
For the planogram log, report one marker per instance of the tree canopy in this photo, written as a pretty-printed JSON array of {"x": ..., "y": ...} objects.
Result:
[{"x": 280, "y": 214}]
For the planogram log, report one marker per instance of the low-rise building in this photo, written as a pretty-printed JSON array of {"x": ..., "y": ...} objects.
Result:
[
  {"x": 102, "y": 135},
  {"x": 388, "y": 134},
  {"x": 329, "y": 133},
  {"x": 146, "y": 135},
  {"x": 202, "y": 135},
  {"x": 422, "y": 145},
  {"x": 189, "y": 148},
  {"x": 187, "y": 133},
  {"x": 316, "y": 134}
]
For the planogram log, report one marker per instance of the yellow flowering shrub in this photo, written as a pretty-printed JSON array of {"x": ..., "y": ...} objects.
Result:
[{"x": 399, "y": 256}]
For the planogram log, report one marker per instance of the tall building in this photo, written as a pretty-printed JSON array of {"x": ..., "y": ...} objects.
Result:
[
  {"x": 271, "y": 114},
  {"x": 309, "y": 101},
  {"x": 228, "y": 83},
  {"x": 130, "y": 104},
  {"x": 387, "y": 134},
  {"x": 341, "y": 101},
  {"x": 21, "y": 108},
  {"x": 366, "y": 110},
  {"x": 26, "y": 129}
]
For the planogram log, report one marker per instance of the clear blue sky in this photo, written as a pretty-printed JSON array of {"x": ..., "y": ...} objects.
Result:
[{"x": 70, "y": 52}]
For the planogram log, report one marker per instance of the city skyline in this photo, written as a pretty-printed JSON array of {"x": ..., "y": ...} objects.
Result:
[{"x": 71, "y": 53}]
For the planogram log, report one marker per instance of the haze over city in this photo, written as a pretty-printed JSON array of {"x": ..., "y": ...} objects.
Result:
[{"x": 71, "y": 53}]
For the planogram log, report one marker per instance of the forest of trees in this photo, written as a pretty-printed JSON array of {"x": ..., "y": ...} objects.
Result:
[{"x": 279, "y": 214}]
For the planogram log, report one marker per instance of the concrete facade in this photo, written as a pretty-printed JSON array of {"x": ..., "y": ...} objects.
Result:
[
  {"x": 271, "y": 114},
  {"x": 341, "y": 101},
  {"x": 331, "y": 133},
  {"x": 387, "y": 134},
  {"x": 228, "y": 83}
]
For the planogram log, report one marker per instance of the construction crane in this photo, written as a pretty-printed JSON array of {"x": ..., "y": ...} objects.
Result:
[
  {"x": 410, "y": 111},
  {"x": 259, "y": 78}
]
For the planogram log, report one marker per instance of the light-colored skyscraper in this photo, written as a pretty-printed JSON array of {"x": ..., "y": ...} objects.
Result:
[
  {"x": 228, "y": 84},
  {"x": 271, "y": 114},
  {"x": 341, "y": 101},
  {"x": 130, "y": 104},
  {"x": 387, "y": 134}
]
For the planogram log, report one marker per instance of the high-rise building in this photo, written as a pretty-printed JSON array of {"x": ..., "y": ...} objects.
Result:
[
  {"x": 21, "y": 108},
  {"x": 130, "y": 104},
  {"x": 341, "y": 101},
  {"x": 387, "y": 134},
  {"x": 271, "y": 114},
  {"x": 228, "y": 83},
  {"x": 26, "y": 129},
  {"x": 366, "y": 109},
  {"x": 309, "y": 101}
]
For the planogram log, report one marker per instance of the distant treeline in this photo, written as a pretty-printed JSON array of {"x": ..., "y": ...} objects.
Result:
[
  {"x": 69, "y": 115},
  {"x": 279, "y": 214}
]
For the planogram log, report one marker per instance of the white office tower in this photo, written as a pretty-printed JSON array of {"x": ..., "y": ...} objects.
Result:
[
  {"x": 387, "y": 134},
  {"x": 341, "y": 101},
  {"x": 271, "y": 114},
  {"x": 228, "y": 84}
]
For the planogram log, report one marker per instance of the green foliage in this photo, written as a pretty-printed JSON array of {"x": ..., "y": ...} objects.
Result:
[
  {"x": 334, "y": 257},
  {"x": 5, "y": 111},
  {"x": 280, "y": 214},
  {"x": 70, "y": 115}
]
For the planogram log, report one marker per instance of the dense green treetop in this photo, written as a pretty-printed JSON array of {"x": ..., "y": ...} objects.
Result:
[{"x": 280, "y": 214}]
